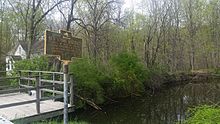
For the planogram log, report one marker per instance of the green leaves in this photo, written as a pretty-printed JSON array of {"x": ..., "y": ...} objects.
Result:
[
  {"x": 128, "y": 73},
  {"x": 88, "y": 78},
  {"x": 37, "y": 63},
  {"x": 204, "y": 115}
]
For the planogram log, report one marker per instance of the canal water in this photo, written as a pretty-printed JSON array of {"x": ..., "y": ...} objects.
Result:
[{"x": 167, "y": 106}]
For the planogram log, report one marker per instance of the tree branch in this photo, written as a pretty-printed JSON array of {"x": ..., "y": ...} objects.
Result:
[
  {"x": 62, "y": 13},
  {"x": 41, "y": 18},
  {"x": 38, "y": 4}
]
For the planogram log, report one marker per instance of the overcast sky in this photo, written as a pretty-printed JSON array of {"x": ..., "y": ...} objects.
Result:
[{"x": 132, "y": 4}]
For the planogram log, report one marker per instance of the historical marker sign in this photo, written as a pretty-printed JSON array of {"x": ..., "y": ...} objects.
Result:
[{"x": 62, "y": 44}]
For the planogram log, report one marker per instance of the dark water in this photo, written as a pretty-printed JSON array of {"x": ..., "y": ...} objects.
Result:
[{"x": 165, "y": 107}]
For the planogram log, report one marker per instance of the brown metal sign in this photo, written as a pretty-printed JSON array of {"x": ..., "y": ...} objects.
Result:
[{"x": 62, "y": 44}]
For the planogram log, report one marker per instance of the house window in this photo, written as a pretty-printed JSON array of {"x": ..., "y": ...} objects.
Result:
[
  {"x": 8, "y": 64},
  {"x": 19, "y": 50},
  {"x": 12, "y": 66}
]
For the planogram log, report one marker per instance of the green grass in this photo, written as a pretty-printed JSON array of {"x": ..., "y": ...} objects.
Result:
[{"x": 204, "y": 115}]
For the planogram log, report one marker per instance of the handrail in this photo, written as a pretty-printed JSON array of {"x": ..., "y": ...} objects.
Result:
[
  {"x": 26, "y": 88},
  {"x": 48, "y": 72},
  {"x": 30, "y": 79},
  {"x": 7, "y": 78},
  {"x": 7, "y": 87},
  {"x": 51, "y": 81}
]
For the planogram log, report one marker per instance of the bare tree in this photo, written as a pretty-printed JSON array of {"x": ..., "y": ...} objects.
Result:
[{"x": 93, "y": 20}]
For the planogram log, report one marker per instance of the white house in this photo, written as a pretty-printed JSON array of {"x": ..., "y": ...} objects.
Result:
[
  {"x": 16, "y": 54},
  {"x": 10, "y": 60},
  {"x": 19, "y": 52}
]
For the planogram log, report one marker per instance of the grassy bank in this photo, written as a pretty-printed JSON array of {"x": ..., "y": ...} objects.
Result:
[{"x": 204, "y": 115}]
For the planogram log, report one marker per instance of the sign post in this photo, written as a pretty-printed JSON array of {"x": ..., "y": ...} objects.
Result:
[
  {"x": 65, "y": 46},
  {"x": 65, "y": 91}
]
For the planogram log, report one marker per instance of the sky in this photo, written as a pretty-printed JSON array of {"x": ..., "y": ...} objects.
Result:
[
  {"x": 132, "y": 4},
  {"x": 129, "y": 4}
]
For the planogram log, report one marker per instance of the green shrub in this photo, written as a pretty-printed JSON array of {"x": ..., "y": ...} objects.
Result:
[
  {"x": 36, "y": 64},
  {"x": 204, "y": 115},
  {"x": 128, "y": 73},
  {"x": 217, "y": 70},
  {"x": 88, "y": 78},
  {"x": 155, "y": 76}
]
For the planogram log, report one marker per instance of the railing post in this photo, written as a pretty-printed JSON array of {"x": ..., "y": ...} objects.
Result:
[
  {"x": 65, "y": 95},
  {"x": 19, "y": 79},
  {"x": 29, "y": 76},
  {"x": 72, "y": 93},
  {"x": 53, "y": 86},
  {"x": 37, "y": 95},
  {"x": 40, "y": 75}
]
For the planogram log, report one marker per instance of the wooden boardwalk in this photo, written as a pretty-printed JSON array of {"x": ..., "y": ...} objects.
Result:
[
  {"x": 26, "y": 110},
  {"x": 18, "y": 105}
]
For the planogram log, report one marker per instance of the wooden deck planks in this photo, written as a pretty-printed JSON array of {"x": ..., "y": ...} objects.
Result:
[
  {"x": 14, "y": 97},
  {"x": 26, "y": 110}
]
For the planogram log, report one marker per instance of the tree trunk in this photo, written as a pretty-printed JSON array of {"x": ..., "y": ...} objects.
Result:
[
  {"x": 70, "y": 16},
  {"x": 32, "y": 30}
]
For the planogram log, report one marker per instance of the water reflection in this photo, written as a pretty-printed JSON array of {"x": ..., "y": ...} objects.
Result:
[{"x": 165, "y": 107}]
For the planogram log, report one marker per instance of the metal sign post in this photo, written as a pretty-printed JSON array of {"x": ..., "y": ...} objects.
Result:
[{"x": 65, "y": 91}]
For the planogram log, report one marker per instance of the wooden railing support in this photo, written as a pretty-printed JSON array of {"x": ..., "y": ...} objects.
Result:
[
  {"x": 37, "y": 85},
  {"x": 72, "y": 93}
]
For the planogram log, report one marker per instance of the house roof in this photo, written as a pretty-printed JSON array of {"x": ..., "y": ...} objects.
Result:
[
  {"x": 24, "y": 45},
  {"x": 37, "y": 47},
  {"x": 12, "y": 51}
]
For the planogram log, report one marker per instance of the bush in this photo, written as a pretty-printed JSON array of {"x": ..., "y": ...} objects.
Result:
[
  {"x": 155, "y": 76},
  {"x": 36, "y": 64},
  {"x": 204, "y": 115},
  {"x": 217, "y": 70},
  {"x": 128, "y": 73},
  {"x": 88, "y": 78}
]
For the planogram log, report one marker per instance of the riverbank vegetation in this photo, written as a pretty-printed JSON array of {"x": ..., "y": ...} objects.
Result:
[
  {"x": 204, "y": 115},
  {"x": 124, "y": 75}
]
